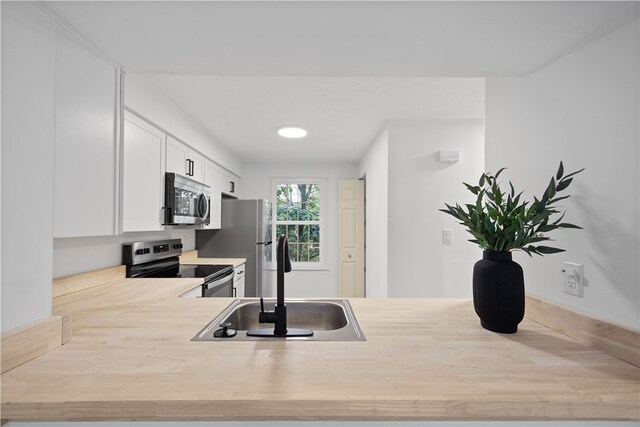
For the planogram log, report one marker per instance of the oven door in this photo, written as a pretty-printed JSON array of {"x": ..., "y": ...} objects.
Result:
[{"x": 221, "y": 287}]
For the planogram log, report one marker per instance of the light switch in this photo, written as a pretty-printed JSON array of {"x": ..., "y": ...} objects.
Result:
[{"x": 447, "y": 237}]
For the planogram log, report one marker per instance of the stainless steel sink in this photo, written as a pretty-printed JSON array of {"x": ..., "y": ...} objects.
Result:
[{"x": 330, "y": 320}]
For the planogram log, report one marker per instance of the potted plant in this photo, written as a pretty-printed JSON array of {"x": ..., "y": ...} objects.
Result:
[{"x": 502, "y": 222}]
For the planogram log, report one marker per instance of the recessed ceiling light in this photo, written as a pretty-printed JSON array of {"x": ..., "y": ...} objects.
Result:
[{"x": 292, "y": 132}]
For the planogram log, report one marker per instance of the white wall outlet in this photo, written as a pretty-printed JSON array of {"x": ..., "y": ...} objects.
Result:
[
  {"x": 447, "y": 237},
  {"x": 572, "y": 278}
]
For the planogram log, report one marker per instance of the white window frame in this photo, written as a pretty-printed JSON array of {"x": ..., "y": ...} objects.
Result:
[{"x": 322, "y": 264}]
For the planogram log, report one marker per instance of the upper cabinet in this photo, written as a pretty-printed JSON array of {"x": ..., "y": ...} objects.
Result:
[
  {"x": 86, "y": 147},
  {"x": 212, "y": 178},
  {"x": 184, "y": 161},
  {"x": 229, "y": 183},
  {"x": 143, "y": 160}
]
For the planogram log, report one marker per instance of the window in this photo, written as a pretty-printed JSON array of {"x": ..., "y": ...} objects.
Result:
[{"x": 298, "y": 215}]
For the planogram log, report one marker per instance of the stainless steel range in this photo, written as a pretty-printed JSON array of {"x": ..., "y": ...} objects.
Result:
[{"x": 160, "y": 258}]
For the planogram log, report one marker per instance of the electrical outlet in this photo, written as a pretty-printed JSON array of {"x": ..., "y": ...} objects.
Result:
[{"x": 572, "y": 278}]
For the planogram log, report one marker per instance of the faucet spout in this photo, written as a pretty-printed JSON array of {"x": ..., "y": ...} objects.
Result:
[{"x": 283, "y": 266}]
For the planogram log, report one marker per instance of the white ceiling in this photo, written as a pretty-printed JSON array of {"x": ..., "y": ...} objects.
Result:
[
  {"x": 241, "y": 69},
  {"x": 343, "y": 38},
  {"x": 342, "y": 114}
]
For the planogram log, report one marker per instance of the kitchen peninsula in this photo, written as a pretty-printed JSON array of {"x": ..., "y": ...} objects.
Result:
[{"x": 424, "y": 359}]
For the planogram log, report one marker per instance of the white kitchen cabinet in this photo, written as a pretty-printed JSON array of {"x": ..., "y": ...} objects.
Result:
[
  {"x": 229, "y": 184},
  {"x": 183, "y": 160},
  {"x": 143, "y": 163},
  {"x": 85, "y": 155},
  {"x": 238, "y": 281},
  {"x": 212, "y": 179}
]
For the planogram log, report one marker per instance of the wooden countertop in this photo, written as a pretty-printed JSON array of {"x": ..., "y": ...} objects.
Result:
[
  {"x": 192, "y": 258},
  {"x": 131, "y": 358}
]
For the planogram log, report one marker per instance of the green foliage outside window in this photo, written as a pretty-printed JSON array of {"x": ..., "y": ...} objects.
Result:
[{"x": 298, "y": 217}]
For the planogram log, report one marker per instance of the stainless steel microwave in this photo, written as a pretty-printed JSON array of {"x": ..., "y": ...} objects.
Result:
[{"x": 186, "y": 201}]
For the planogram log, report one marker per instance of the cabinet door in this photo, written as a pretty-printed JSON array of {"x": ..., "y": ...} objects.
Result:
[
  {"x": 85, "y": 141},
  {"x": 239, "y": 288},
  {"x": 212, "y": 179},
  {"x": 177, "y": 155},
  {"x": 143, "y": 175},
  {"x": 197, "y": 166},
  {"x": 229, "y": 184}
]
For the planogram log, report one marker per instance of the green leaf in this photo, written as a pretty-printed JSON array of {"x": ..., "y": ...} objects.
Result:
[
  {"x": 558, "y": 220},
  {"x": 567, "y": 225},
  {"x": 574, "y": 173},
  {"x": 564, "y": 184},
  {"x": 474, "y": 189},
  {"x": 548, "y": 250},
  {"x": 557, "y": 199},
  {"x": 499, "y": 172},
  {"x": 560, "y": 171},
  {"x": 481, "y": 183},
  {"x": 540, "y": 217},
  {"x": 546, "y": 227},
  {"x": 512, "y": 190},
  {"x": 550, "y": 191}
]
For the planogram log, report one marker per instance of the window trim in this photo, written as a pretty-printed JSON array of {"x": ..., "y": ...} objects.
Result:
[{"x": 322, "y": 181}]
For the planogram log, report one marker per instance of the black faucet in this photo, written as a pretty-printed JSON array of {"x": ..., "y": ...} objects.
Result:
[{"x": 279, "y": 315}]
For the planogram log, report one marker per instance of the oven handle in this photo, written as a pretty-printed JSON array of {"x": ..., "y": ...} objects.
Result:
[{"x": 220, "y": 281}]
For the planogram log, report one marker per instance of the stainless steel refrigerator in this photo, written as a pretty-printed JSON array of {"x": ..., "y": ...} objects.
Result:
[{"x": 245, "y": 233}]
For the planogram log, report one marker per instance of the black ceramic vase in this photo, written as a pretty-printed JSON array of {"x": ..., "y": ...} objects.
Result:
[{"x": 498, "y": 292}]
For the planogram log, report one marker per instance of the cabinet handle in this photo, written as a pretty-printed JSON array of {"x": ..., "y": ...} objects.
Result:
[
  {"x": 233, "y": 187},
  {"x": 235, "y": 293},
  {"x": 191, "y": 168},
  {"x": 188, "y": 167}
]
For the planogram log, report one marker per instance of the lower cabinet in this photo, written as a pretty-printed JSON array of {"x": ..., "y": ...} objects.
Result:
[
  {"x": 143, "y": 175},
  {"x": 238, "y": 281}
]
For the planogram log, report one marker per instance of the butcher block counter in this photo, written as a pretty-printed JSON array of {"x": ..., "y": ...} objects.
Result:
[
  {"x": 132, "y": 358},
  {"x": 191, "y": 257}
]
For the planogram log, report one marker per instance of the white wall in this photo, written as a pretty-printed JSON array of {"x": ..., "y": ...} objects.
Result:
[
  {"x": 143, "y": 98},
  {"x": 375, "y": 165},
  {"x": 77, "y": 255},
  {"x": 256, "y": 184},
  {"x": 584, "y": 110},
  {"x": 28, "y": 64},
  {"x": 419, "y": 264}
]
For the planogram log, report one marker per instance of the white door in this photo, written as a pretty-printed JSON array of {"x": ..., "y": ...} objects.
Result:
[
  {"x": 177, "y": 154},
  {"x": 143, "y": 175},
  {"x": 351, "y": 238}
]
